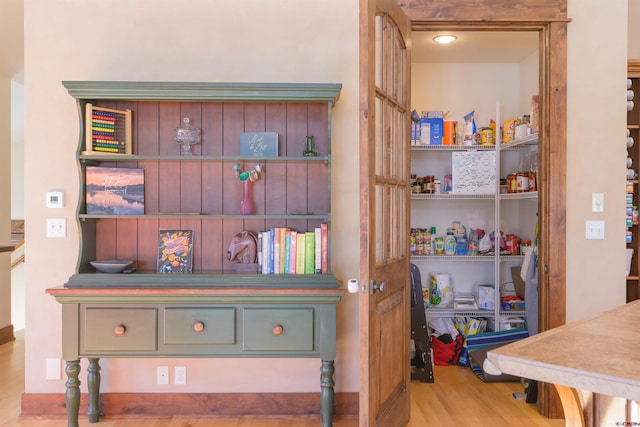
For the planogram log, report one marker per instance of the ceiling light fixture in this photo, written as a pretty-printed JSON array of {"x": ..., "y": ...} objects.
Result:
[{"x": 444, "y": 39}]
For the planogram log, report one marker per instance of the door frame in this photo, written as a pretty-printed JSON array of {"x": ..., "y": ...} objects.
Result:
[{"x": 549, "y": 18}]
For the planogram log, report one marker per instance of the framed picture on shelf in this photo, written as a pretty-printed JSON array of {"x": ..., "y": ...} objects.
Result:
[
  {"x": 175, "y": 251},
  {"x": 114, "y": 191},
  {"x": 259, "y": 144}
]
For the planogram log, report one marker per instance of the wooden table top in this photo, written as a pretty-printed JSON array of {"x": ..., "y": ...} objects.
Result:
[{"x": 600, "y": 354}]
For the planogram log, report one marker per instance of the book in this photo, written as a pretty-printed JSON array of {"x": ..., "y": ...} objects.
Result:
[
  {"x": 271, "y": 237},
  {"x": 287, "y": 253},
  {"x": 266, "y": 244},
  {"x": 318, "y": 251},
  {"x": 309, "y": 252},
  {"x": 276, "y": 250},
  {"x": 259, "y": 254},
  {"x": 175, "y": 251},
  {"x": 114, "y": 191},
  {"x": 293, "y": 252},
  {"x": 324, "y": 238},
  {"x": 283, "y": 248},
  {"x": 300, "y": 253},
  {"x": 259, "y": 144}
]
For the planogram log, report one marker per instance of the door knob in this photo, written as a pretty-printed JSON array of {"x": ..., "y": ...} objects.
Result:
[{"x": 377, "y": 287}]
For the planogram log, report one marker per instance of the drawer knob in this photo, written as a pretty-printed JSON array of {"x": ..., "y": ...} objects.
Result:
[
  {"x": 198, "y": 326},
  {"x": 278, "y": 330},
  {"x": 119, "y": 330}
]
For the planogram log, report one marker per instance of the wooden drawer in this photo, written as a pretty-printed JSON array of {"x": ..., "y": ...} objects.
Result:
[
  {"x": 191, "y": 325},
  {"x": 297, "y": 329},
  {"x": 119, "y": 329}
]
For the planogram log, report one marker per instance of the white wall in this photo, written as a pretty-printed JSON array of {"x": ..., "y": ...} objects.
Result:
[
  {"x": 5, "y": 208},
  {"x": 460, "y": 88},
  {"x": 596, "y": 154},
  {"x": 167, "y": 40},
  {"x": 633, "y": 48},
  {"x": 17, "y": 150}
]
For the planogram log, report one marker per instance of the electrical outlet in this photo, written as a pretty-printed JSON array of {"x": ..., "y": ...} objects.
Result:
[
  {"x": 163, "y": 375},
  {"x": 180, "y": 375},
  {"x": 54, "y": 370}
]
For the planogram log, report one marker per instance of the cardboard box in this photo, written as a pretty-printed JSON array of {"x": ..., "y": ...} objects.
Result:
[{"x": 431, "y": 131}]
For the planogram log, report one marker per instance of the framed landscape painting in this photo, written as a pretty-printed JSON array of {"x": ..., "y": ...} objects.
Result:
[{"x": 114, "y": 191}]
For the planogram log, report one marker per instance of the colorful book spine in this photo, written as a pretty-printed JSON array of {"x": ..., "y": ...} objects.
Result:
[
  {"x": 266, "y": 246},
  {"x": 276, "y": 250},
  {"x": 300, "y": 253},
  {"x": 324, "y": 237},
  {"x": 283, "y": 248},
  {"x": 272, "y": 232},
  {"x": 309, "y": 252},
  {"x": 287, "y": 253},
  {"x": 293, "y": 252},
  {"x": 259, "y": 254},
  {"x": 318, "y": 251}
]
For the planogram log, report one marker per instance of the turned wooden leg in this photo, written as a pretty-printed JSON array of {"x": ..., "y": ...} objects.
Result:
[
  {"x": 326, "y": 392},
  {"x": 72, "y": 396},
  {"x": 93, "y": 385}
]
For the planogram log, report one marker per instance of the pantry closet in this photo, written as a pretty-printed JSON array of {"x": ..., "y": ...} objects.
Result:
[{"x": 461, "y": 85}]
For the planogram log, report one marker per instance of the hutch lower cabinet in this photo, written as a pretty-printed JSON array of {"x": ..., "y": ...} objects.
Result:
[{"x": 195, "y": 322}]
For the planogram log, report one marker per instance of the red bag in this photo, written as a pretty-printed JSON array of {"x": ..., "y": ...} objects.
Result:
[{"x": 446, "y": 351}]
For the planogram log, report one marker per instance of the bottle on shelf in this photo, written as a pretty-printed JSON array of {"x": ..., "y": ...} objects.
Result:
[{"x": 450, "y": 244}]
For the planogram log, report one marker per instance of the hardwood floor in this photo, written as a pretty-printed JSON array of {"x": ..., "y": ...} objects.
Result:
[{"x": 457, "y": 398}]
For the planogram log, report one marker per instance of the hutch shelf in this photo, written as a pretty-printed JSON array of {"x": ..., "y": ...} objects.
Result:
[{"x": 217, "y": 310}]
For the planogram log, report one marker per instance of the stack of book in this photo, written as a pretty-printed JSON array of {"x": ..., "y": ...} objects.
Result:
[{"x": 285, "y": 251}]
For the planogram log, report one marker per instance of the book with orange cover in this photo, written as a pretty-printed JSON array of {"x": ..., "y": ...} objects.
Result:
[{"x": 324, "y": 250}]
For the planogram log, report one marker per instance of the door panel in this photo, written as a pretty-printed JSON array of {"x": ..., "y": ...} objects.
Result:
[{"x": 384, "y": 266}]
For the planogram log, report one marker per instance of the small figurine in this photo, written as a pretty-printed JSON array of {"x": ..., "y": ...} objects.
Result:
[{"x": 310, "y": 148}]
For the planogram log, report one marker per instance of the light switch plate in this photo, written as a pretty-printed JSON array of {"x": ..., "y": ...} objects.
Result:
[
  {"x": 594, "y": 230},
  {"x": 56, "y": 227}
]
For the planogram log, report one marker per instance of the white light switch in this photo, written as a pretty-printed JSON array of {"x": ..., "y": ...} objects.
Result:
[
  {"x": 56, "y": 227},
  {"x": 594, "y": 230},
  {"x": 597, "y": 202}
]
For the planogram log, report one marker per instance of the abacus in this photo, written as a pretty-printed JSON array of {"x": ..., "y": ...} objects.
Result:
[{"x": 108, "y": 130}]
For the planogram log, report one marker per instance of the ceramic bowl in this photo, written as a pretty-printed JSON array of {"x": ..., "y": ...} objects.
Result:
[{"x": 111, "y": 265}]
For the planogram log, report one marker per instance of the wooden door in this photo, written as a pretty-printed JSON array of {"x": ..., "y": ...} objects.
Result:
[{"x": 384, "y": 213}]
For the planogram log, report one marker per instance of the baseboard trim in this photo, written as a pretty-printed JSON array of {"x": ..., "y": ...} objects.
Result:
[
  {"x": 6, "y": 334},
  {"x": 191, "y": 405}
]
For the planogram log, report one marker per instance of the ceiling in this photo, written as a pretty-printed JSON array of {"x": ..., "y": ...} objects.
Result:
[{"x": 474, "y": 46}]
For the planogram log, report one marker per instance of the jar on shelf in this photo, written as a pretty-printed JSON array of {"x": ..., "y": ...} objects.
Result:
[
  {"x": 512, "y": 183},
  {"x": 523, "y": 182}
]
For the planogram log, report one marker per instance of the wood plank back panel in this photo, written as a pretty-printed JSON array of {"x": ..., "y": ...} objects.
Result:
[{"x": 194, "y": 186}]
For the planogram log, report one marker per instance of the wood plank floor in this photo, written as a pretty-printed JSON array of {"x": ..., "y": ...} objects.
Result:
[{"x": 457, "y": 398}]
